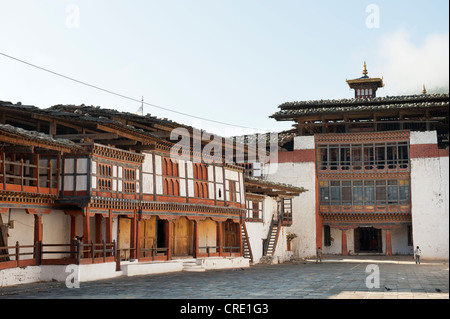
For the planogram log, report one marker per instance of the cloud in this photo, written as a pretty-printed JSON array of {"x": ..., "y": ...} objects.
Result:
[{"x": 407, "y": 66}]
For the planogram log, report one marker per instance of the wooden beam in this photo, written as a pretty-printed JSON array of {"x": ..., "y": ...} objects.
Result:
[
  {"x": 162, "y": 134},
  {"x": 143, "y": 147},
  {"x": 142, "y": 126},
  {"x": 122, "y": 142},
  {"x": 94, "y": 136},
  {"x": 53, "y": 122},
  {"x": 18, "y": 149},
  {"x": 131, "y": 136}
]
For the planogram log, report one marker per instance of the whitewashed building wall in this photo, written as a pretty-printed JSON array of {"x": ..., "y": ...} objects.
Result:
[{"x": 430, "y": 196}]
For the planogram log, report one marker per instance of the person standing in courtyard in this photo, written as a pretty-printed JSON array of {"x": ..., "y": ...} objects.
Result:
[
  {"x": 417, "y": 253},
  {"x": 319, "y": 255}
]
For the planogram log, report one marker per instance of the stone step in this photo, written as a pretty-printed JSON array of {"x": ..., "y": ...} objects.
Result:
[{"x": 192, "y": 266}]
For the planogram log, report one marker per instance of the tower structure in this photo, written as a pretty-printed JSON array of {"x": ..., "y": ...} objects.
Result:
[{"x": 365, "y": 86}]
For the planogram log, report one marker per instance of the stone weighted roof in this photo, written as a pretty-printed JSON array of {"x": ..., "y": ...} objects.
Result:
[
  {"x": 290, "y": 110},
  {"x": 265, "y": 185},
  {"x": 41, "y": 138}
]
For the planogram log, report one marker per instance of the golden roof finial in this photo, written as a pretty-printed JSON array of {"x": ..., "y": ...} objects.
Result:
[
  {"x": 424, "y": 90},
  {"x": 365, "y": 69}
]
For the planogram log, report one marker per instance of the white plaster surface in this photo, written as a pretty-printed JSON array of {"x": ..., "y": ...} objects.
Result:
[{"x": 430, "y": 209}]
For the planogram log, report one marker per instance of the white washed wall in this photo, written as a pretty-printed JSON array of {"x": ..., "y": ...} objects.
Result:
[
  {"x": 430, "y": 196},
  {"x": 304, "y": 206}
]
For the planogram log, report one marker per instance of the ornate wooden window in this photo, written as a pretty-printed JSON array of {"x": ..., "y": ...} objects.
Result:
[
  {"x": 104, "y": 172},
  {"x": 200, "y": 171},
  {"x": 233, "y": 192},
  {"x": 356, "y": 193},
  {"x": 255, "y": 209},
  {"x": 286, "y": 213},
  {"x": 201, "y": 189},
  {"x": 171, "y": 186},
  {"x": 171, "y": 182},
  {"x": 170, "y": 167},
  {"x": 368, "y": 157},
  {"x": 369, "y": 192},
  {"x": 104, "y": 184},
  {"x": 201, "y": 184},
  {"x": 129, "y": 180}
]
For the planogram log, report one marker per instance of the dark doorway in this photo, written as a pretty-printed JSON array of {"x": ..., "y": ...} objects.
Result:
[
  {"x": 368, "y": 240},
  {"x": 161, "y": 233}
]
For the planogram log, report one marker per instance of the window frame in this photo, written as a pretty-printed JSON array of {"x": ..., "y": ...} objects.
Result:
[{"x": 364, "y": 157}]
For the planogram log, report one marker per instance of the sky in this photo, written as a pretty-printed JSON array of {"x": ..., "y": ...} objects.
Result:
[{"x": 228, "y": 61}]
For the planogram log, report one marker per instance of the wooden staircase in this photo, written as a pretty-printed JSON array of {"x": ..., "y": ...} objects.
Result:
[
  {"x": 246, "y": 243},
  {"x": 272, "y": 239}
]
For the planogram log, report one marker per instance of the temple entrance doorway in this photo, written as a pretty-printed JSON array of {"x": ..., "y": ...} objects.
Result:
[{"x": 368, "y": 240}]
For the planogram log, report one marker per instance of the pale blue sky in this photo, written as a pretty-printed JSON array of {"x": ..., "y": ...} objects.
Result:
[{"x": 231, "y": 61}]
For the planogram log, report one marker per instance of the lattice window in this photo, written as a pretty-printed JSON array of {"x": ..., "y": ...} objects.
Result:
[
  {"x": 392, "y": 156},
  {"x": 369, "y": 192},
  {"x": 104, "y": 170}
]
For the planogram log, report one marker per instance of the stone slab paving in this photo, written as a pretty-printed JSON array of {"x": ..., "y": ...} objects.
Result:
[{"x": 335, "y": 278}]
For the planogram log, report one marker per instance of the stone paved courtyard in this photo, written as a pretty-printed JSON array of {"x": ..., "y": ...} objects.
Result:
[{"x": 337, "y": 278}]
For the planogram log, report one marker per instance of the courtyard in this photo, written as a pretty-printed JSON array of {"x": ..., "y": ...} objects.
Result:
[{"x": 368, "y": 277}]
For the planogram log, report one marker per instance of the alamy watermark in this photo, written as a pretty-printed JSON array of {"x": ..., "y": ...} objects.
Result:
[
  {"x": 373, "y": 278},
  {"x": 72, "y": 279},
  {"x": 73, "y": 16},
  {"x": 373, "y": 19},
  {"x": 199, "y": 146}
]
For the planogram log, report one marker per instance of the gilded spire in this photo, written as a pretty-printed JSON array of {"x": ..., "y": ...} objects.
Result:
[
  {"x": 365, "y": 69},
  {"x": 424, "y": 90}
]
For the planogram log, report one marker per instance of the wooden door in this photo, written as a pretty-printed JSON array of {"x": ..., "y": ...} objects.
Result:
[
  {"x": 207, "y": 235},
  {"x": 183, "y": 230},
  {"x": 148, "y": 236},
  {"x": 124, "y": 237},
  {"x": 230, "y": 235}
]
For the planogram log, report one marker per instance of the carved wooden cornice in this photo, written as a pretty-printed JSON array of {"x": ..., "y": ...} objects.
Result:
[
  {"x": 166, "y": 208},
  {"x": 362, "y": 176},
  {"x": 361, "y": 137},
  {"x": 350, "y": 218},
  {"x": 115, "y": 153}
]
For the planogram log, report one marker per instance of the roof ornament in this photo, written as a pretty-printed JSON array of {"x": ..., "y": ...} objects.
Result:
[
  {"x": 424, "y": 90},
  {"x": 365, "y": 69}
]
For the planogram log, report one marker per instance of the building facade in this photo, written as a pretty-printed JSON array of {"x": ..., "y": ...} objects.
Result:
[
  {"x": 102, "y": 190},
  {"x": 377, "y": 168}
]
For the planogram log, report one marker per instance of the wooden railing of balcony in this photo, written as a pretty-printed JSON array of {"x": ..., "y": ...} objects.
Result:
[{"x": 28, "y": 178}]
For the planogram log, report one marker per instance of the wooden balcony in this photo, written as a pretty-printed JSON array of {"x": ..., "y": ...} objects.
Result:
[{"x": 22, "y": 177}]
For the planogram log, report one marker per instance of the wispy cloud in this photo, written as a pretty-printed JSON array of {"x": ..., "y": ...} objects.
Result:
[{"x": 406, "y": 66}]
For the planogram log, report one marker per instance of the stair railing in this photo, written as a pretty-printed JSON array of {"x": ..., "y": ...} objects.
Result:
[{"x": 245, "y": 236}]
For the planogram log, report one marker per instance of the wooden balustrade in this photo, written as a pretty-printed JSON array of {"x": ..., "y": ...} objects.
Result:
[{"x": 75, "y": 253}]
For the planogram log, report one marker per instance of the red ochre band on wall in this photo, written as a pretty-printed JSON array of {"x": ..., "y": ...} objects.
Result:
[
  {"x": 297, "y": 156},
  {"x": 427, "y": 151}
]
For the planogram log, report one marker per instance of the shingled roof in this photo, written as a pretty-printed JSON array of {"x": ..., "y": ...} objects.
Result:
[
  {"x": 291, "y": 110},
  {"x": 18, "y": 136},
  {"x": 277, "y": 138},
  {"x": 259, "y": 186}
]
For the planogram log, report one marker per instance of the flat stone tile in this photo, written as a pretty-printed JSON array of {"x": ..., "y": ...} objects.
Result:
[{"x": 330, "y": 280}]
